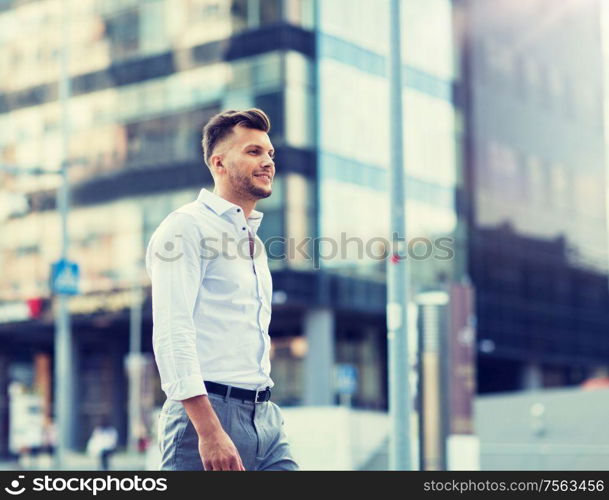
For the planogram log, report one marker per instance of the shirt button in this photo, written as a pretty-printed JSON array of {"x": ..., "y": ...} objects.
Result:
[
  {"x": 238, "y": 210},
  {"x": 243, "y": 228}
]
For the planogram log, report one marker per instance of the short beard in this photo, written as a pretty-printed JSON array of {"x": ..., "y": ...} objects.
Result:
[{"x": 246, "y": 188}]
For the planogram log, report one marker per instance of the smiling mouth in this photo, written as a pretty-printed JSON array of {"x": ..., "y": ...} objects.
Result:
[{"x": 264, "y": 176}]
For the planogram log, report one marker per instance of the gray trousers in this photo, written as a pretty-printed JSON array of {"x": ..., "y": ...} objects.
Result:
[{"x": 256, "y": 429}]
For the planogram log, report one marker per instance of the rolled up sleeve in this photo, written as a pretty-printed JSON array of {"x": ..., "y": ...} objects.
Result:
[{"x": 175, "y": 268}]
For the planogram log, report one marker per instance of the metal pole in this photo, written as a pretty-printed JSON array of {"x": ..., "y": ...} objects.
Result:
[
  {"x": 64, "y": 369},
  {"x": 400, "y": 404},
  {"x": 134, "y": 366}
]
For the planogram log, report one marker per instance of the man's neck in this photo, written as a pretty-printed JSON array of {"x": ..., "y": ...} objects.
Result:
[{"x": 246, "y": 205}]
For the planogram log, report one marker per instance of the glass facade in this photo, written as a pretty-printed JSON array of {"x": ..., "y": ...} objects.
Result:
[
  {"x": 353, "y": 135},
  {"x": 538, "y": 252},
  {"x": 145, "y": 77},
  {"x": 154, "y": 72}
]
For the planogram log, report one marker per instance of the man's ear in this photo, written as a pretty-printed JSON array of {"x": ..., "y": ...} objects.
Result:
[{"x": 217, "y": 163}]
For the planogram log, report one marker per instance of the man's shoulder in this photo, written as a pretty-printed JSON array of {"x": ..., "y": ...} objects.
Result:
[
  {"x": 193, "y": 217},
  {"x": 186, "y": 223},
  {"x": 180, "y": 218},
  {"x": 192, "y": 210}
]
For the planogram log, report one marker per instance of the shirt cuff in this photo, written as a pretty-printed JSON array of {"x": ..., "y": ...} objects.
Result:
[{"x": 184, "y": 388}]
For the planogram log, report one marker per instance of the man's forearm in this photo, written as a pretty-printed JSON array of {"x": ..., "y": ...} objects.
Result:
[
  {"x": 202, "y": 416},
  {"x": 216, "y": 448}
]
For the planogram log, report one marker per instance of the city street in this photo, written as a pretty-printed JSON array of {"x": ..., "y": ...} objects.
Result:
[{"x": 80, "y": 461}]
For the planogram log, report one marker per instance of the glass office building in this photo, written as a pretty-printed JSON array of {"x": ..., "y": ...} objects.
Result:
[
  {"x": 353, "y": 161},
  {"x": 145, "y": 77},
  {"x": 537, "y": 155}
]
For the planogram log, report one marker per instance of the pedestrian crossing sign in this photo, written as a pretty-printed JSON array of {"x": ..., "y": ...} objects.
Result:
[{"x": 65, "y": 276}]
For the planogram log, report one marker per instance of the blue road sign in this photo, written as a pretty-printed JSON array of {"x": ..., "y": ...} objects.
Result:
[
  {"x": 65, "y": 276},
  {"x": 346, "y": 379}
]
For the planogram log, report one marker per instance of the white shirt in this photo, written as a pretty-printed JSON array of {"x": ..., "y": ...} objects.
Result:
[
  {"x": 211, "y": 302},
  {"x": 103, "y": 438}
]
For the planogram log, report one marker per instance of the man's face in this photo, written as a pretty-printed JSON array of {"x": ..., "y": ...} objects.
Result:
[{"x": 247, "y": 156}]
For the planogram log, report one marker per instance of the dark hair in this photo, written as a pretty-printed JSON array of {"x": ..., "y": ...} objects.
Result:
[{"x": 221, "y": 125}]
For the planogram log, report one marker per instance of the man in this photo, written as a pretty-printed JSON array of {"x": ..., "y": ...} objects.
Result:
[
  {"x": 102, "y": 442},
  {"x": 211, "y": 301}
]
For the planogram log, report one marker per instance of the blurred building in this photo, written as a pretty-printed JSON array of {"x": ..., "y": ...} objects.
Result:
[
  {"x": 146, "y": 75},
  {"x": 537, "y": 155}
]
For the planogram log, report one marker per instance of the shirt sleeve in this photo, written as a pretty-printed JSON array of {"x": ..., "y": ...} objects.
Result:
[{"x": 175, "y": 268}]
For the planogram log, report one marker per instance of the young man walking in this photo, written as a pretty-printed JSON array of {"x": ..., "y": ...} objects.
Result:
[{"x": 211, "y": 301}]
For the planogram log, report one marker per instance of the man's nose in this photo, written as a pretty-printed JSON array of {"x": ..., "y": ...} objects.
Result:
[{"x": 268, "y": 162}]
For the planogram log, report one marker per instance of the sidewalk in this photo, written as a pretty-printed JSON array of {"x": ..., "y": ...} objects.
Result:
[{"x": 124, "y": 461}]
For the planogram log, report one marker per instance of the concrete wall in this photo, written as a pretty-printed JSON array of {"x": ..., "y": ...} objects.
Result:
[
  {"x": 557, "y": 429},
  {"x": 334, "y": 437}
]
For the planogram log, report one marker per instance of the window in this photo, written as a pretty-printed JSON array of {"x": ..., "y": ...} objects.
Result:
[
  {"x": 154, "y": 25},
  {"x": 300, "y": 13},
  {"x": 270, "y": 11},
  {"x": 250, "y": 14},
  {"x": 239, "y": 14},
  {"x": 538, "y": 181},
  {"x": 560, "y": 186},
  {"x": 123, "y": 33}
]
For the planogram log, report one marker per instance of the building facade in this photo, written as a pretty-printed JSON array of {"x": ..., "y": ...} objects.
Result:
[
  {"x": 536, "y": 160},
  {"x": 145, "y": 77}
]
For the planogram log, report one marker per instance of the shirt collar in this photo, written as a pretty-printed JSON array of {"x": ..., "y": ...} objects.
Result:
[{"x": 220, "y": 206}]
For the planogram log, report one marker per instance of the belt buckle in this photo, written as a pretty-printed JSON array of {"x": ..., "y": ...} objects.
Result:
[{"x": 259, "y": 391}]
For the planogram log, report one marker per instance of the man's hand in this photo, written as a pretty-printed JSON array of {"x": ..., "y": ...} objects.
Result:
[
  {"x": 219, "y": 453},
  {"x": 216, "y": 449}
]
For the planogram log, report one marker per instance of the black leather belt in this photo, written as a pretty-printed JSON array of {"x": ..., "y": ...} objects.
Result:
[{"x": 259, "y": 396}]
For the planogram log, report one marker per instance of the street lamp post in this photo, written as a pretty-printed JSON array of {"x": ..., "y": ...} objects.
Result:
[
  {"x": 400, "y": 403},
  {"x": 64, "y": 359}
]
